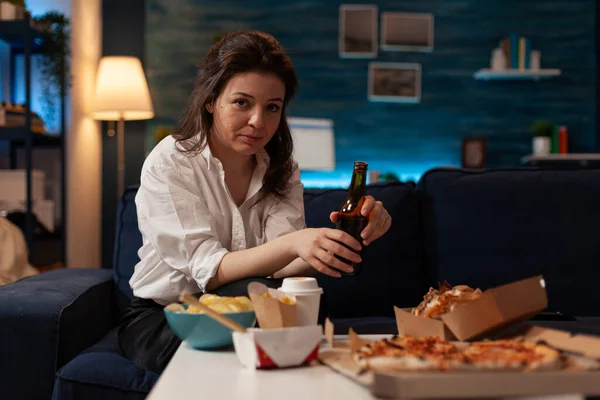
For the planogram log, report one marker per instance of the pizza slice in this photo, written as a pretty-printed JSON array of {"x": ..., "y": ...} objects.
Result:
[
  {"x": 513, "y": 355},
  {"x": 439, "y": 302},
  {"x": 407, "y": 353}
]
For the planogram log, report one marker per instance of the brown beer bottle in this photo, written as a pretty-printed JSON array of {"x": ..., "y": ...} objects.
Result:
[{"x": 351, "y": 220}]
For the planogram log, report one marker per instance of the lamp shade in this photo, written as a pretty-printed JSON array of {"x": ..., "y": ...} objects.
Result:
[
  {"x": 121, "y": 90},
  {"x": 314, "y": 144}
]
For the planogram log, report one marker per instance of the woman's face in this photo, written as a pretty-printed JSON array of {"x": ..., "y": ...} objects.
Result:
[{"x": 247, "y": 112}]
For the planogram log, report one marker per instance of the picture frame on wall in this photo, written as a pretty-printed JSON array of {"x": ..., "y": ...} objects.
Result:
[
  {"x": 473, "y": 152},
  {"x": 394, "y": 82},
  {"x": 407, "y": 31},
  {"x": 358, "y": 26}
]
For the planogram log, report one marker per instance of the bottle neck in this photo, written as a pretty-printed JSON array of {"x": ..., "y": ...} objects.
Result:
[{"x": 358, "y": 184}]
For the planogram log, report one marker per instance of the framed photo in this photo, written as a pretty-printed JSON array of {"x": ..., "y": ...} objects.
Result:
[
  {"x": 406, "y": 31},
  {"x": 395, "y": 82},
  {"x": 473, "y": 152},
  {"x": 358, "y": 31}
]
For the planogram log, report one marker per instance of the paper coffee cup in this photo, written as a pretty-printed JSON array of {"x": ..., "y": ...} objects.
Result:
[{"x": 308, "y": 298}]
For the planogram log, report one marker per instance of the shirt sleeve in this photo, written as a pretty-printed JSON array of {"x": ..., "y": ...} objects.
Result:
[
  {"x": 286, "y": 216},
  {"x": 177, "y": 223}
]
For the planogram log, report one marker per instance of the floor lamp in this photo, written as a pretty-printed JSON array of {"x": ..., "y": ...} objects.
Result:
[{"x": 121, "y": 94}]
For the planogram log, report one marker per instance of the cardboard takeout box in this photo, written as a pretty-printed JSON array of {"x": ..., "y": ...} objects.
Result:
[
  {"x": 494, "y": 309},
  {"x": 482, "y": 384}
]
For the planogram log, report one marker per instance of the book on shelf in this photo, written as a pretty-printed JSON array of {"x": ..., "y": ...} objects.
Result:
[{"x": 517, "y": 51}]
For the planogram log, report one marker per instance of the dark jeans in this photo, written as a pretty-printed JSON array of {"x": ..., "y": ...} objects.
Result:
[{"x": 144, "y": 334}]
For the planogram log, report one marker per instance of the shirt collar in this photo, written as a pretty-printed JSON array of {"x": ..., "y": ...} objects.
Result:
[{"x": 262, "y": 158}]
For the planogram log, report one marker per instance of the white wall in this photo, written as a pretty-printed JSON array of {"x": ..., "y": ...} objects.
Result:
[{"x": 84, "y": 147}]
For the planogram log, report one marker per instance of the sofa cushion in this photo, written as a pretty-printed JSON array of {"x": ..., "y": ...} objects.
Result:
[
  {"x": 128, "y": 241},
  {"x": 101, "y": 372},
  {"x": 487, "y": 228},
  {"x": 392, "y": 270}
]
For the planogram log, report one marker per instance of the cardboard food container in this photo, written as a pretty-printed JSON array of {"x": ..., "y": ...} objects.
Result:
[
  {"x": 571, "y": 380},
  {"x": 278, "y": 348},
  {"x": 272, "y": 311},
  {"x": 279, "y": 342},
  {"x": 494, "y": 309}
]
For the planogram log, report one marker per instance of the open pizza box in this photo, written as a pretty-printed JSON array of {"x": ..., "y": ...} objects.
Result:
[
  {"x": 494, "y": 309},
  {"x": 498, "y": 313},
  {"x": 279, "y": 342},
  {"x": 573, "y": 379}
]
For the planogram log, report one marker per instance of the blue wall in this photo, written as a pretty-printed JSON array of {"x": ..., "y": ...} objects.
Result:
[{"x": 404, "y": 138}]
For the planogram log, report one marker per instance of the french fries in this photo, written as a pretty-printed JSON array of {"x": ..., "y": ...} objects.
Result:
[{"x": 283, "y": 299}]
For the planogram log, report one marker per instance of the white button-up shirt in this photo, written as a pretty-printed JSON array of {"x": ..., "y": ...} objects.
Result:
[{"x": 189, "y": 221}]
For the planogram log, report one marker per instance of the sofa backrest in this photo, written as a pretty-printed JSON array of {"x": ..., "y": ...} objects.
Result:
[
  {"x": 392, "y": 271},
  {"x": 487, "y": 228},
  {"x": 128, "y": 241}
]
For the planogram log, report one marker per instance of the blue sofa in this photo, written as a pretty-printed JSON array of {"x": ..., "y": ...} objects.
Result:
[{"x": 481, "y": 228}]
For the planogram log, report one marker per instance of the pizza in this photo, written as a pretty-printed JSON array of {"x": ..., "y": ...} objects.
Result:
[
  {"x": 407, "y": 353},
  {"x": 438, "y": 302},
  {"x": 513, "y": 355}
]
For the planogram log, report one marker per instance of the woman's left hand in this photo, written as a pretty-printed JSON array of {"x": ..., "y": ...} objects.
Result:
[{"x": 379, "y": 219}]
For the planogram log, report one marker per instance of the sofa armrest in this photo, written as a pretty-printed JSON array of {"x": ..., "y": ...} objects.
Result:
[{"x": 47, "y": 319}]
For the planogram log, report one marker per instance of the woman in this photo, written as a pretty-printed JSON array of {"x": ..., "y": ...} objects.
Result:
[{"x": 221, "y": 200}]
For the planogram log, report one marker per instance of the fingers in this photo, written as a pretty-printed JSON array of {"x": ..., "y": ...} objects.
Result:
[
  {"x": 344, "y": 238},
  {"x": 374, "y": 220},
  {"x": 322, "y": 268},
  {"x": 379, "y": 223},
  {"x": 368, "y": 205},
  {"x": 332, "y": 261},
  {"x": 334, "y": 216},
  {"x": 340, "y": 250}
]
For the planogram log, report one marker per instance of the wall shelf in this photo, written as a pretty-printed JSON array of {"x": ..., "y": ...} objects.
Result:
[
  {"x": 16, "y": 32},
  {"x": 516, "y": 74},
  {"x": 17, "y": 136}
]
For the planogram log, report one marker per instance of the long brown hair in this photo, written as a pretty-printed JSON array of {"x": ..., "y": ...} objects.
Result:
[{"x": 235, "y": 53}]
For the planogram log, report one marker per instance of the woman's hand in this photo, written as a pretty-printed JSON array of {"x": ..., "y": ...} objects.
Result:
[
  {"x": 319, "y": 246},
  {"x": 379, "y": 219}
]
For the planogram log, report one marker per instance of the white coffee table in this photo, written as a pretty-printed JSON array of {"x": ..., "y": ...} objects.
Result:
[{"x": 195, "y": 374}]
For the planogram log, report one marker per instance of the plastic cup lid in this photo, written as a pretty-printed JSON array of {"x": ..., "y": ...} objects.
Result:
[{"x": 300, "y": 285}]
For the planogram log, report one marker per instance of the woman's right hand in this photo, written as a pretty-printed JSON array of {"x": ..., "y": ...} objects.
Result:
[{"x": 319, "y": 246}]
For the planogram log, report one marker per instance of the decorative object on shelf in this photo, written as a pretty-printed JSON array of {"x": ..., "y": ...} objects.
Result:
[
  {"x": 55, "y": 66},
  {"x": 560, "y": 140},
  {"x": 14, "y": 115},
  {"x": 473, "y": 152},
  {"x": 541, "y": 131},
  {"x": 388, "y": 177},
  {"x": 514, "y": 59},
  {"x": 498, "y": 61},
  {"x": 12, "y": 10},
  {"x": 358, "y": 31},
  {"x": 394, "y": 82},
  {"x": 535, "y": 60},
  {"x": 374, "y": 176},
  {"x": 121, "y": 94},
  {"x": 406, "y": 31}
]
